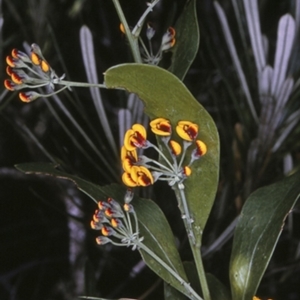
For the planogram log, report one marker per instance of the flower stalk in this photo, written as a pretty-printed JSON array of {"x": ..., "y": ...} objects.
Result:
[{"x": 195, "y": 244}]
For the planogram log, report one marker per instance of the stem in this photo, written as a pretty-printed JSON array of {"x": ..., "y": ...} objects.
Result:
[
  {"x": 190, "y": 291},
  {"x": 186, "y": 215},
  {"x": 200, "y": 270},
  {"x": 80, "y": 84},
  {"x": 133, "y": 42},
  {"x": 195, "y": 246},
  {"x": 136, "y": 30}
]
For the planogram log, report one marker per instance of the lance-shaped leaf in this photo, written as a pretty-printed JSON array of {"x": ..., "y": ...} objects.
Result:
[
  {"x": 153, "y": 225},
  {"x": 187, "y": 40},
  {"x": 258, "y": 230},
  {"x": 235, "y": 58},
  {"x": 252, "y": 16},
  {"x": 87, "y": 48},
  {"x": 285, "y": 40},
  {"x": 166, "y": 96}
]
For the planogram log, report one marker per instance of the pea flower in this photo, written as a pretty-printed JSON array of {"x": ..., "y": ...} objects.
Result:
[
  {"x": 136, "y": 137},
  {"x": 175, "y": 147},
  {"x": 161, "y": 126},
  {"x": 138, "y": 176},
  {"x": 168, "y": 40},
  {"x": 187, "y": 130},
  {"x": 128, "y": 158}
]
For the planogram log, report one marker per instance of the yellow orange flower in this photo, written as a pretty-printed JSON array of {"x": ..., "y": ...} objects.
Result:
[
  {"x": 187, "y": 171},
  {"x": 129, "y": 158},
  {"x": 127, "y": 180},
  {"x": 175, "y": 147},
  {"x": 138, "y": 176},
  {"x": 201, "y": 148},
  {"x": 187, "y": 130},
  {"x": 28, "y": 96},
  {"x": 161, "y": 126},
  {"x": 136, "y": 137},
  {"x": 141, "y": 175}
]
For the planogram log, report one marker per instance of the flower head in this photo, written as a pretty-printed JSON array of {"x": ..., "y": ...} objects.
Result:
[
  {"x": 187, "y": 130},
  {"x": 161, "y": 126},
  {"x": 136, "y": 137},
  {"x": 138, "y": 176},
  {"x": 128, "y": 158},
  {"x": 201, "y": 148}
]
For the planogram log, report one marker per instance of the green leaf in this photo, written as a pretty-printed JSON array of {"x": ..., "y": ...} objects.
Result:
[
  {"x": 217, "y": 290},
  {"x": 171, "y": 294},
  {"x": 166, "y": 96},
  {"x": 257, "y": 232},
  {"x": 153, "y": 225},
  {"x": 187, "y": 41}
]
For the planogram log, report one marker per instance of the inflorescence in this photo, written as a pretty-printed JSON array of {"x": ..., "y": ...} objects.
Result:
[
  {"x": 30, "y": 73},
  {"x": 168, "y": 41},
  {"x": 144, "y": 171},
  {"x": 118, "y": 225},
  {"x": 34, "y": 72}
]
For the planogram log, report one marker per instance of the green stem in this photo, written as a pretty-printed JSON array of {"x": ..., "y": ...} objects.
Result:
[
  {"x": 133, "y": 41},
  {"x": 136, "y": 30},
  {"x": 190, "y": 291},
  {"x": 80, "y": 84},
  {"x": 195, "y": 243},
  {"x": 200, "y": 269}
]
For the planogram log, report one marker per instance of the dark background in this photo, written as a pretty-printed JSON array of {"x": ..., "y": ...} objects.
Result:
[{"x": 47, "y": 250}]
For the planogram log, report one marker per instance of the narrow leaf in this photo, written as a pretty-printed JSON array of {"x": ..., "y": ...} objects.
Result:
[
  {"x": 252, "y": 16},
  {"x": 256, "y": 235},
  {"x": 285, "y": 40},
  {"x": 187, "y": 40},
  {"x": 153, "y": 225},
  {"x": 165, "y": 96},
  {"x": 217, "y": 290},
  {"x": 235, "y": 58},
  {"x": 284, "y": 94},
  {"x": 87, "y": 49}
]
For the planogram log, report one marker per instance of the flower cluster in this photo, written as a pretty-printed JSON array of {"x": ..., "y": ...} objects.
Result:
[
  {"x": 143, "y": 171},
  {"x": 115, "y": 223},
  {"x": 167, "y": 42},
  {"x": 30, "y": 72}
]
